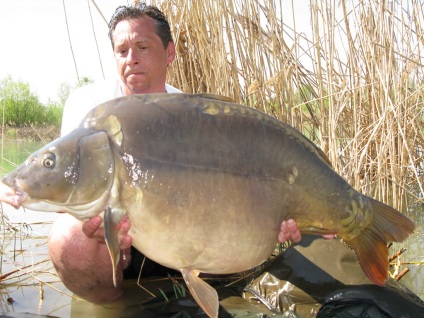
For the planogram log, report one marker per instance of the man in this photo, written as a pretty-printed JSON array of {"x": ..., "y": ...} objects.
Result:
[{"x": 143, "y": 48}]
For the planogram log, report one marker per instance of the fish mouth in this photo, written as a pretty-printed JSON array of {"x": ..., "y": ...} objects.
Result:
[{"x": 12, "y": 195}]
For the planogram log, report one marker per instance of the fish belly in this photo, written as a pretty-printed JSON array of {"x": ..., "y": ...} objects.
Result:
[{"x": 207, "y": 221}]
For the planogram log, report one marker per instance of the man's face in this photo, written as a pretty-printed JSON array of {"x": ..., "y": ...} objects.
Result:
[{"x": 140, "y": 56}]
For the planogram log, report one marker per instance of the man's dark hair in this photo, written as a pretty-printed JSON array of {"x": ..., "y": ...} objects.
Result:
[{"x": 136, "y": 11}]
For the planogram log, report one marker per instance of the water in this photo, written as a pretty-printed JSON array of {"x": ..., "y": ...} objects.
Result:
[
  {"x": 413, "y": 258},
  {"x": 13, "y": 153},
  {"x": 32, "y": 286}
]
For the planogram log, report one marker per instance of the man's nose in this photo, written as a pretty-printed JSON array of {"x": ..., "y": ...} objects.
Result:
[{"x": 133, "y": 57}]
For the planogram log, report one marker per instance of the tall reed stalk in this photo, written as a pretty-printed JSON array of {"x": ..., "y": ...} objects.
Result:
[{"x": 354, "y": 85}]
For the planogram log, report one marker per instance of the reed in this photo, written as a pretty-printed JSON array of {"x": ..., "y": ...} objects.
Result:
[{"x": 354, "y": 85}]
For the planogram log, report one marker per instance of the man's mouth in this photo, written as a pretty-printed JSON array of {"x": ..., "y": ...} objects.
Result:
[{"x": 135, "y": 73}]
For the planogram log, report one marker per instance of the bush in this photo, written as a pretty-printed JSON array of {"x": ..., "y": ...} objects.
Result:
[{"x": 21, "y": 107}]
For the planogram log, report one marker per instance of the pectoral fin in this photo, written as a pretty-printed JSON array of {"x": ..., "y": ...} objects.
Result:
[
  {"x": 111, "y": 219},
  {"x": 204, "y": 294}
]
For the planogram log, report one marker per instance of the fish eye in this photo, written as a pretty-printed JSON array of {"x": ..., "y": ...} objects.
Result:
[{"x": 49, "y": 160}]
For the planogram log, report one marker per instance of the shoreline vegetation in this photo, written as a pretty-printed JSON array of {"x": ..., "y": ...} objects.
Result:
[{"x": 19, "y": 134}]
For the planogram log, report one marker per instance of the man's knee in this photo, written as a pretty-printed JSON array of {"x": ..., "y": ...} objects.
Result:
[{"x": 62, "y": 232}]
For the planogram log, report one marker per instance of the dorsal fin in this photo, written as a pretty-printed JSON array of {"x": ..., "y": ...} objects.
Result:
[
  {"x": 216, "y": 97},
  {"x": 322, "y": 155}
]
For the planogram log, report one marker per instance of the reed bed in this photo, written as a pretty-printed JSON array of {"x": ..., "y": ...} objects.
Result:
[{"x": 354, "y": 85}]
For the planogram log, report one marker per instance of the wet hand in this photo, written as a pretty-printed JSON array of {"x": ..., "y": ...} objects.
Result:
[
  {"x": 289, "y": 231},
  {"x": 93, "y": 230}
]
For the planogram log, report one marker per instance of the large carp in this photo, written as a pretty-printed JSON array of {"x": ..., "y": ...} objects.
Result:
[{"x": 205, "y": 183}]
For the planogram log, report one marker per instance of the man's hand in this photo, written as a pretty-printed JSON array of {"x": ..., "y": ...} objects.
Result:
[
  {"x": 92, "y": 230},
  {"x": 290, "y": 231}
]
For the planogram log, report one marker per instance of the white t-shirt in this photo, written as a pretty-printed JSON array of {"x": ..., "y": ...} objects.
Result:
[{"x": 85, "y": 98}]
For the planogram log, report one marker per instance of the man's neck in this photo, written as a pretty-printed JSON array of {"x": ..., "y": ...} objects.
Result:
[{"x": 126, "y": 91}]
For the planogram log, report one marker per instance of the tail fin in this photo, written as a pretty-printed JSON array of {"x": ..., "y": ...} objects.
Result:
[{"x": 370, "y": 246}]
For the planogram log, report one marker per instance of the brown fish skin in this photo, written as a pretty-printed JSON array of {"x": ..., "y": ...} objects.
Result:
[{"x": 206, "y": 184}]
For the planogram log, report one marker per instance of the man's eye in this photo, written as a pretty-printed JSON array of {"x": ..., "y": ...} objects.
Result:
[{"x": 121, "y": 50}]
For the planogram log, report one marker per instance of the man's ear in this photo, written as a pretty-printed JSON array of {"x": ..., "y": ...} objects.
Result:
[{"x": 170, "y": 52}]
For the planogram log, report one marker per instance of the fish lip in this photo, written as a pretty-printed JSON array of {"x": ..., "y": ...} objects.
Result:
[
  {"x": 12, "y": 195},
  {"x": 19, "y": 198}
]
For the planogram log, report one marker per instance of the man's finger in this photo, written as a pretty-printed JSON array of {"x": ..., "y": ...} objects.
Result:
[
  {"x": 126, "y": 242},
  {"x": 284, "y": 234},
  {"x": 289, "y": 231},
  {"x": 90, "y": 227},
  {"x": 295, "y": 235}
]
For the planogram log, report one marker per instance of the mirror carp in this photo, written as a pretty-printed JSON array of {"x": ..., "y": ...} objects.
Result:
[{"x": 205, "y": 183}]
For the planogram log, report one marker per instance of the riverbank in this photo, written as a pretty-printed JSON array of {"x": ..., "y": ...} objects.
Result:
[{"x": 18, "y": 134}]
